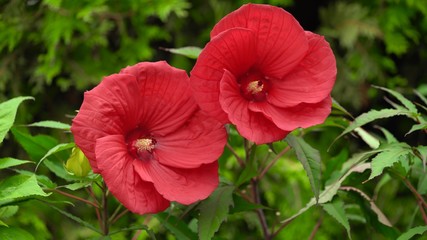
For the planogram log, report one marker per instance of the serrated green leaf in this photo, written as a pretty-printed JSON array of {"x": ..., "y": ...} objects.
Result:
[
  {"x": 51, "y": 124},
  {"x": 190, "y": 52},
  {"x": 416, "y": 127},
  {"x": 11, "y": 162},
  {"x": 424, "y": 99},
  {"x": 76, "y": 219},
  {"x": 336, "y": 210},
  {"x": 372, "y": 116},
  {"x": 408, "y": 104},
  {"x": 387, "y": 158},
  {"x": 58, "y": 148},
  {"x": 336, "y": 105},
  {"x": 20, "y": 186},
  {"x": 8, "y": 113},
  {"x": 41, "y": 179},
  {"x": 310, "y": 160},
  {"x": 214, "y": 210},
  {"x": 177, "y": 227},
  {"x": 388, "y": 136},
  {"x": 14, "y": 233},
  {"x": 412, "y": 232}
]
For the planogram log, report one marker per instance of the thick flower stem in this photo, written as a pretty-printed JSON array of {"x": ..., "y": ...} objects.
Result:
[
  {"x": 105, "y": 223},
  {"x": 259, "y": 211}
]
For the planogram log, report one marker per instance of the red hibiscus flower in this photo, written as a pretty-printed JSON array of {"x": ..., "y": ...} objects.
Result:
[
  {"x": 143, "y": 132},
  {"x": 262, "y": 72}
]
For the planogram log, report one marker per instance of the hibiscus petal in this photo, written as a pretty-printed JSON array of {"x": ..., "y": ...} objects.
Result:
[
  {"x": 303, "y": 115},
  {"x": 311, "y": 81},
  {"x": 166, "y": 98},
  {"x": 124, "y": 183},
  {"x": 251, "y": 125},
  {"x": 185, "y": 186},
  {"x": 232, "y": 50},
  {"x": 281, "y": 39},
  {"x": 109, "y": 108},
  {"x": 200, "y": 141}
]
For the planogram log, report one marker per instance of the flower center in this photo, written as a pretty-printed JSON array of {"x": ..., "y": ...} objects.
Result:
[
  {"x": 254, "y": 86},
  {"x": 140, "y": 144}
]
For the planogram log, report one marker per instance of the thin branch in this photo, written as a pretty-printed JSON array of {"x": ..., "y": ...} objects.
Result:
[
  {"x": 239, "y": 160},
  {"x": 284, "y": 224},
  {"x": 316, "y": 228},
  {"x": 276, "y": 158},
  {"x": 73, "y": 197},
  {"x": 414, "y": 191},
  {"x": 259, "y": 211},
  {"x": 423, "y": 213}
]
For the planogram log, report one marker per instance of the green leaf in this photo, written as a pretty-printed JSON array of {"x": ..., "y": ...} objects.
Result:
[
  {"x": 372, "y": 116},
  {"x": 133, "y": 228},
  {"x": 408, "y": 104},
  {"x": 190, "y": 52},
  {"x": 77, "y": 185},
  {"x": 8, "y": 211},
  {"x": 243, "y": 205},
  {"x": 416, "y": 127},
  {"x": 422, "y": 184},
  {"x": 424, "y": 99},
  {"x": 14, "y": 233},
  {"x": 176, "y": 226},
  {"x": 41, "y": 179},
  {"x": 8, "y": 113},
  {"x": 412, "y": 232},
  {"x": 58, "y": 148},
  {"x": 249, "y": 171},
  {"x": 310, "y": 160},
  {"x": 214, "y": 210},
  {"x": 51, "y": 124},
  {"x": 20, "y": 186},
  {"x": 387, "y": 158},
  {"x": 77, "y": 219},
  {"x": 11, "y": 162},
  {"x": 388, "y": 136},
  {"x": 336, "y": 210},
  {"x": 336, "y": 105}
]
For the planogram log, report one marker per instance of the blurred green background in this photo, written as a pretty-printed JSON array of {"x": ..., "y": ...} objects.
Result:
[{"x": 55, "y": 50}]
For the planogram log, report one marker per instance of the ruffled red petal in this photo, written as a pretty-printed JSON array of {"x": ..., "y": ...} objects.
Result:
[
  {"x": 233, "y": 50},
  {"x": 200, "y": 141},
  {"x": 303, "y": 115},
  {"x": 281, "y": 41},
  {"x": 166, "y": 101},
  {"x": 109, "y": 108},
  {"x": 251, "y": 125},
  {"x": 185, "y": 186},
  {"x": 125, "y": 184},
  {"x": 311, "y": 81}
]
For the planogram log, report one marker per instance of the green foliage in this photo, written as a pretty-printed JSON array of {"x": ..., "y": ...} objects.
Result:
[{"x": 7, "y": 114}]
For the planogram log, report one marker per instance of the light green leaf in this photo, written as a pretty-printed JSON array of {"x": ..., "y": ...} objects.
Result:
[
  {"x": 51, "y": 124},
  {"x": 408, "y": 104},
  {"x": 77, "y": 185},
  {"x": 387, "y": 158},
  {"x": 416, "y": 127},
  {"x": 58, "y": 148},
  {"x": 8, "y": 113},
  {"x": 8, "y": 211},
  {"x": 422, "y": 184},
  {"x": 388, "y": 136},
  {"x": 412, "y": 232},
  {"x": 310, "y": 160},
  {"x": 368, "y": 138},
  {"x": 14, "y": 233},
  {"x": 372, "y": 116},
  {"x": 133, "y": 228},
  {"x": 190, "y": 52},
  {"x": 336, "y": 210},
  {"x": 424, "y": 99},
  {"x": 11, "y": 162},
  {"x": 177, "y": 227},
  {"x": 336, "y": 105},
  {"x": 20, "y": 186},
  {"x": 214, "y": 210},
  {"x": 3, "y": 224}
]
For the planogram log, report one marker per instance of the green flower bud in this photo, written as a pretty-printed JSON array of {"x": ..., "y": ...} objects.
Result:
[{"x": 78, "y": 164}]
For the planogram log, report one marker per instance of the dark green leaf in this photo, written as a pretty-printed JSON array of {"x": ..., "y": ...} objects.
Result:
[
  {"x": 242, "y": 205},
  {"x": 336, "y": 105},
  {"x": 412, "y": 232},
  {"x": 51, "y": 124},
  {"x": 336, "y": 210},
  {"x": 190, "y": 52},
  {"x": 8, "y": 113},
  {"x": 14, "y": 233},
  {"x": 77, "y": 219},
  {"x": 214, "y": 210},
  {"x": 11, "y": 162},
  {"x": 176, "y": 226},
  {"x": 310, "y": 160}
]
